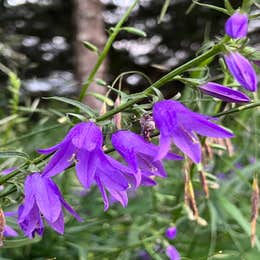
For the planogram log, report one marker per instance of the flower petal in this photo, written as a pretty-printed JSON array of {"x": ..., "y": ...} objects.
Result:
[
  {"x": 58, "y": 225},
  {"x": 146, "y": 181},
  {"x": 103, "y": 193},
  {"x": 86, "y": 167},
  {"x": 187, "y": 142},
  {"x": 61, "y": 160},
  {"x": 120, "y": 196},
  {"x": 86, "y": 136},
  {"x": 50, "y": 149},
  {"x": 29, "y": 199},
  {"x": 164, "y": 147},
  {"x": 65, "y": 203},
  {"x": 201, "y": 125},
  {"x": 47, "y": 200},
  {"x": 10, "y": 232}
]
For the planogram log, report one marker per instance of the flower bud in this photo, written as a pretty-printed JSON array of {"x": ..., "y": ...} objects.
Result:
[
  {"x": 224, "y": 93},
  {"x": 242, "y": 70},
  {"x": 236, "y": 26}
]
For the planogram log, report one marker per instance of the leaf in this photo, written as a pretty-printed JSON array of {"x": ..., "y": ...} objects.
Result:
[
  {"x": 102, "y": 98},
  {"x": 135, "y": 31},
  {"x": 222, "y": 10},
  {"x": 80, "y": 117},
  {"x": 101, "y": 82},
  {"x": 7, "y": 119},
  {"x": 164, "y": 10},
  {"x": 90, "y": 46},
  {"x": 20, "y": 242},
  {"x": 236, "y": 214},
  {"x": 229, "y": 6},
  {"x": 83, "y": 107},
  {"x": 14, "y": 154}
]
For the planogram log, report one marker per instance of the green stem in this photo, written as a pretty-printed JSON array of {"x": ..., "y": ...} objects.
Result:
[
  {"x": 104, "y": 53},
  {"x": 161, "y": 82},
  {"x": 238, "y": 109}
]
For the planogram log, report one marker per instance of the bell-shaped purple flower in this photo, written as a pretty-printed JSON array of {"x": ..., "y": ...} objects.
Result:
[
  {"x": 83, "y": 146},
  {"x": 172, "y": 253},
  {"x": 242, "y": 70},
  {"x": 236, "y": 26},
  {"x": 224, "y": 93},
  {"x": 177, "y": 124},
  {"x": 139, "y": 154},
  {"x": 171, "y": 232},
  {"x": 42, "y": 199}
]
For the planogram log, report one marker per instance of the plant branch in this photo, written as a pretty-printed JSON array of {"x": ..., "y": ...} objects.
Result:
[{"x": 105, "y": 51}]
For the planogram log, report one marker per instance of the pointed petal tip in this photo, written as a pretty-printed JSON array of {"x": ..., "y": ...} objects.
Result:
[{"x": 224, "y": 93}]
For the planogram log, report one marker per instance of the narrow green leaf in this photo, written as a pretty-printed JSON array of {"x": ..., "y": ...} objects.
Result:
[
  {"x": 80, "y": 117},
  {"x": 20, "y": 242},
  {"x": 164, "y": 10},
  {"x": 229, "y": 7},
  {"x": 83, "y": 107},
  {"x": 8, "y": 154},
  {"x": 102, "y": 98},
  {"x": 219, "y": 9},
  {"x": 135, "y": 31},
  {"x": 7, "y": 119},
  {"x": 236, "y": 214},
  {"x": 101, "y": 82},
  {"x": 90, "y": 46}
]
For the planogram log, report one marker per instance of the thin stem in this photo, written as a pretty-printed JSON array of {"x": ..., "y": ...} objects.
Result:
[
  {"x": 238, "y": 109},
  {"x": 105, "y": 51},
  {"x": 161, "y": 82}
]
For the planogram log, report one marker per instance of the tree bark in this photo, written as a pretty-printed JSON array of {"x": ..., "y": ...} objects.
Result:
[{"x": 89, "y": 26}]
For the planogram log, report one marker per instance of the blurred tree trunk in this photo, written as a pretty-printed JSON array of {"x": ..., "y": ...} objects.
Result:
[{"x": 88, "y": 26}]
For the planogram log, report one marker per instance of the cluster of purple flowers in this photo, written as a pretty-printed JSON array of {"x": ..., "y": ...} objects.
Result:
[
  {"x": 83, "y": 147},
  {"x": 240, "y": 68}
]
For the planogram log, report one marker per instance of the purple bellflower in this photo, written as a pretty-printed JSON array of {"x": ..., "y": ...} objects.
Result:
[
  {"x": 236, "y": 26},
  {"x": 83, "y": 145},
  {"x": 139, "y": 154},
  {"x": 172, "y": 253},
  {"x": 177, "y": 124},
  {"x": 224, "y": 93},
  {"x": 42, "y": 199},
  {"x": 242, "y": 70},
  {"x": 171, "y": 233}
]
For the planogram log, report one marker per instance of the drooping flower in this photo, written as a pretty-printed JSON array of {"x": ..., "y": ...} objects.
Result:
[
  {"x": 236, "y": 26},
  {"x": 172, "y": 253},
  {"x": 42, "y": 199},
  {"x": 171, "y": 232},
  {"x": 139, "y": 154},
  {"x": 224, "y": 93},
  {"x": 242, "y": 70},
  {"x": 177, "y": 124},
  {"x": 83, "y": 145}
]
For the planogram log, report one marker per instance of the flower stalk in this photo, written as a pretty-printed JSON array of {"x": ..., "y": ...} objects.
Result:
[{"x": 105, "y": 51}]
